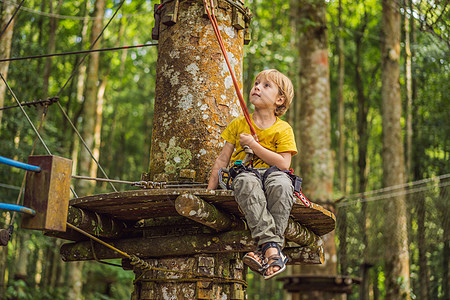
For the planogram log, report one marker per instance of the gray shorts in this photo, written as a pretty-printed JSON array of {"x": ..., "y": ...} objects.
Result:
[{"x": 267, "y": 212}]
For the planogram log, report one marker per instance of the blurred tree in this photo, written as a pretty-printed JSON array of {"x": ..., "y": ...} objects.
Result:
[
  {"x": 6, "y": 29},
  {"x": 86, "y": 164},
  {"x": 316, "y": 164},
  {"x": 396, "y": 249}
]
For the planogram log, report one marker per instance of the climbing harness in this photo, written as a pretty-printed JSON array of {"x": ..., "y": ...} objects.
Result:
[
  {"x": 296, "y": 183},
  {"x": 239, "y": 167},
  {"x": 247, "y": 166}
]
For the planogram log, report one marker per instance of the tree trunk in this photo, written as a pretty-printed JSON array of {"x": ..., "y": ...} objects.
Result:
[
  {"x": 342, "y": 213},
  {"x": 89, "y": 117},
  {"x": 81, "y": 76},
  {"x": 315, "y": 143},
  {"x": 74, "y": 280},
  {"x": 363, "y": 138},
  {"x": 98, "y": 127},
  {"x": 408, "y": 94},
  {"x": 340, "y": 101},
  {"x": 182, "y": 136},
  {"x": 422, "y": 247},
  {"x": 6, "y": 11},
  {"x": 316, "y": 163},
  {"x": 446, "y": 256},
  {"x": 396, "y": 246},
  {"x": 90, "y": 99},
  {"x": 22, "y": 258},
  {"x": 53, "y": 25}
]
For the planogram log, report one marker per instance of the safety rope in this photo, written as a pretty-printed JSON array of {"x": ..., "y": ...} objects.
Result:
[
  {"x": 78, "y": 52},
  {"x": 212, "y": 18},
  {"x": 145, "y": 266},
  {"x": 101, "y": 261}
]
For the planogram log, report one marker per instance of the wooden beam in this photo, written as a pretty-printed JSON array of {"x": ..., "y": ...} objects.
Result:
[
  {"x": 306, "y": 283},
  {"x": 231, "y": 241},
  {"x": 94, "y": 223},
  {"x": 194, "y": 208},
  {"x": 100, "y": 225},
  {"x": 300, "y": 234},
  {"x": 311, "y": 254}
]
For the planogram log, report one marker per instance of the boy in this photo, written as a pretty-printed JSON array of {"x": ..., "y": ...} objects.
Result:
[{"x": 266, "y": 203}]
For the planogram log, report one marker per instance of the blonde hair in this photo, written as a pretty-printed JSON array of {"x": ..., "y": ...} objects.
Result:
[{"x": 285, "y": 88}]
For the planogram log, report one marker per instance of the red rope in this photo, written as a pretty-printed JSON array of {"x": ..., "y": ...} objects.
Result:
[{"x": 212, "y": 18}]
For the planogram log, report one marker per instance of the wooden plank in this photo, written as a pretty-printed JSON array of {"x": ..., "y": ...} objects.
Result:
[
  {"x": 307, "y": 283},
  {"x": 166, "y": 246},
  {"x": 143, "y": 204}
]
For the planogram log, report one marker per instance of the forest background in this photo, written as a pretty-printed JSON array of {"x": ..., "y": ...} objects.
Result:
[{"x": 117, "y": 88}]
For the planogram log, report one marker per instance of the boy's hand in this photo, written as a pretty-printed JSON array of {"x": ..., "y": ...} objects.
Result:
[{"x": 246, "y": 139}]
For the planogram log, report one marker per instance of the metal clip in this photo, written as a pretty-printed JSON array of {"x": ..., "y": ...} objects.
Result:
[{"x": 221, "y": 172}]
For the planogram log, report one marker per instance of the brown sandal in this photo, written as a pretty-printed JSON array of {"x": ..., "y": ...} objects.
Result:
[
  {"x": 280, "y": 260},
  {"x": 254, "y": 264}
]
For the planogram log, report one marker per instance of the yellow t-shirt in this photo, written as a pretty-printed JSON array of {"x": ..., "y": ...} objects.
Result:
[{"x": 278, "y": 138}]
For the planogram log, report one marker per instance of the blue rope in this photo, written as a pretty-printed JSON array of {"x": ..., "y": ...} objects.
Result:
[
  {"x": 20, "y": 165},
  {"x": 18, "y": 208}
]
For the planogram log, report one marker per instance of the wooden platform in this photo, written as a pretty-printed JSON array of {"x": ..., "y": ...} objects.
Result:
[
  {"x": 152, "y": 203},
  {"x": 338, "y": 284}
]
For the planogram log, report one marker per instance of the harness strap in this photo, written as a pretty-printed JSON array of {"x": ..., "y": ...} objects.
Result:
[
  {"x": 239, "y": 168},
  {"x": 296, "y": 182}
]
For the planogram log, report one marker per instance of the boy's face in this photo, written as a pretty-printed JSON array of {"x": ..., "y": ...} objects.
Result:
[{"x": 265, "y": 94}]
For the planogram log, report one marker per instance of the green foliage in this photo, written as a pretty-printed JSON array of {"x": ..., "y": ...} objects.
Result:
[{"x": 128, "y": 112}]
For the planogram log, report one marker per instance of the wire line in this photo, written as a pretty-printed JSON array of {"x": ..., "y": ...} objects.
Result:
[
  {"x": 394, "y": 187},
  {"x": 90, "y": 48},
  {"x": 26, "y": 115},
  {"x": 70, "y": 77},
  {"x": 10, "y": 20},
  {"x": 76, "y": 52},
  {"x": 58, "y": 16}
]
